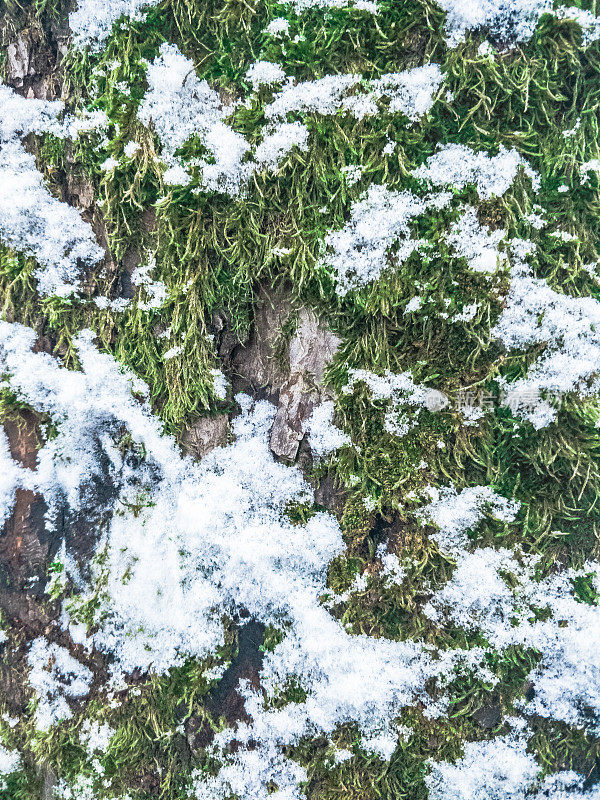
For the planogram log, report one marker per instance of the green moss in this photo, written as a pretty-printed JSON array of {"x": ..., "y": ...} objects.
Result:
[
  {"x": 561, "y": 747},
  {"x": 148, "y": 754}
]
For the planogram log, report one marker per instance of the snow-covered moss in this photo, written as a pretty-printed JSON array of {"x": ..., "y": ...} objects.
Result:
[
  {"x": 437, "y": 205},
  {"x": 55, "y": 676}
]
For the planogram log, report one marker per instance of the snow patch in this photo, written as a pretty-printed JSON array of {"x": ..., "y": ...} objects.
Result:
[
  {"x": 497, "y": 769},
  {"x": 457, "y": 165},
  {"x": 10, "y": 761},
  {"x": 569, "y": 327},
  {"x": 35, "y": 223},
  {"x": 359, "y": 253},
  {"x": 323, "y": 436},
  {"x": 410, "y": 92},
  {"x": 454, "y": 513},
  {"x": 55, "y": 676},
  {"x": 402, "y": 393},
  {"x": 92, "y": 21}
]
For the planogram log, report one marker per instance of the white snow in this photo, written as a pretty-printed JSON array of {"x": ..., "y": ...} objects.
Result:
[
  {"x": 277, "y": 142},
  {"x": 587, "y": 167},
  {"x": 154, "y": 290},
  {"x": 414, "y": 304},
  {"x": 377, "y": 236},
  {"x": 566, "y": 785},
  {"x": 590, "y": 24},
  {"x": 510, "y": 20},
  {"x": 32, "y": 221},
  {"x": 70, "y": 460},
  {"x": 457, "y": 165},
  {"x": 454, "y": 513},
  {"x": 131, "y": 148},
  {"x": 392, "y": 569},
  {"x": 569, "y": 327},
  {"x": 363, "y": 5},
  {"x": 475, "y": 242},
  {"x": 479, "y": 598},
  {"x": 178, "y": 105},
  {"x": 19, "y": 116},
  {"x": 12, "y": 476},
  {"x": 96, "y": 736},
  {"x": 10, "y": 761},
  {"x": 55, "y": 676},
  {"x": 92, "y": 21},
  {"x": 498, "y": 769},
  {"x": 323, "y": 436},
  {"x": 176, "y": 350},
  {"x": 231, "y": 545},
  {"x": 278, "y": 27},
  {"x": 406, "y": 398},
  {"x": 264, "y": 73},
  {"x": 209, "y": 538},
  {"x": 411, "y": 92},
  {"x": 219, "y": 384},
  {"x": 359, "y": 253}
]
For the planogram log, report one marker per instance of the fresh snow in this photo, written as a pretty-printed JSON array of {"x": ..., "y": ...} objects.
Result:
[
  {"x": 361, "y": 251},
  {"x": 511, "y": 21},
  {"x": 362, "y": 5},
  {"x": 478, "y": 597},
  {"x": 498, "y": 769},
  {"x": 278, "y": 27},
  {"x": 155, "y": 291},
  {"x": 508, "y": 20},
  {"x": 55, "y": 676},
  {"x": 323, "y": 436},
  {"x": 264, "y": 73},
  {"x": 178, "y": 106},
  {"x": 534, "y": 314},
  {"x": 458, "y": 165},
  {"x": 588, "y": 22},
  {"x": 35, "y": 223},
  {"x": 277, "y": 142},
  {"x": 358, "y": 253},
  {"x": 92, "y": 21},
  {"x": 10, "y": 761},
  {"x": 454, "y": 513},
  {"x": 411, "y": 92},
  {"x": 569, "y": 327},
  {"x": 19, "y": 116},
  {"x": 230, "y": 545},
  {"x": 12, "y": 477},
  {"x": 405, "y": 397},
  {"x": 475, "y": 242},
  {"x": 68, "y": 462}
]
